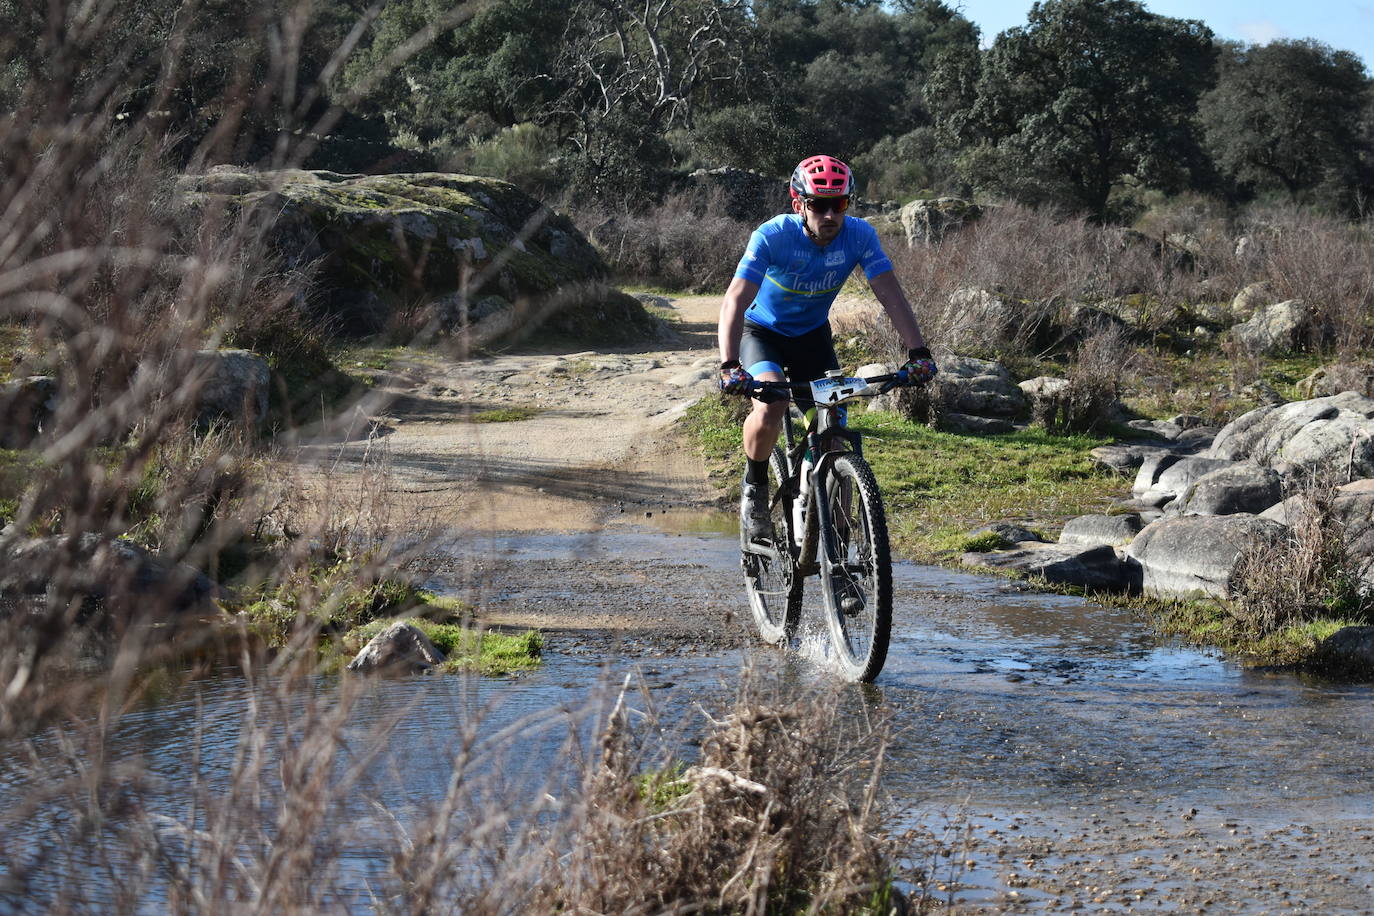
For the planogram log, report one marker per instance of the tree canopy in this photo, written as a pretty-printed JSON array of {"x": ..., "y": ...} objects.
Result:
[
  {"x": 1087, "y": 94},
  {"x": 1088, "y": 104},
  {"x": 1287, "y": 116}
]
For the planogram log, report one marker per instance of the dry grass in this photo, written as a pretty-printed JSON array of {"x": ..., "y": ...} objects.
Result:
[
  {"x": 117, "y": 297},
  {"x": 1327, "y": 263},
  {"x": 685, "y": 243},
  {"x": 1008, "y": 286},
  {"x": 1101, "y": 366},
  {"x": 998, "y": 287},
  {"x": 1317, "y": 578},
  {"x": 779, "y": 811}
]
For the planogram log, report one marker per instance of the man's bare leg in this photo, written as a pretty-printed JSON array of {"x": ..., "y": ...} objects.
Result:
[
  {"x": 761, "y": 430},
  {"x": 764, "y": 423}
]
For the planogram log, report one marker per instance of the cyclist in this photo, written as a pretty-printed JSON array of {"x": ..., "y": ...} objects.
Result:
[{"x": 774, "y": 319}]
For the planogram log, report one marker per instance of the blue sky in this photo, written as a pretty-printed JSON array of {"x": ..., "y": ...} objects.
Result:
[{"x": 1344, "y": 25}]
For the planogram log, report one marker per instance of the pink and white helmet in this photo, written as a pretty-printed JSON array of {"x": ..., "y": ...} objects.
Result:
[{"x": 822, "y": 176}]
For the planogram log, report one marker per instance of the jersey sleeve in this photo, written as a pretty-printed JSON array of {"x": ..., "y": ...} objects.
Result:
[
  {"x": 756, "y": 259},
  {"x": 871, "y": 256}
]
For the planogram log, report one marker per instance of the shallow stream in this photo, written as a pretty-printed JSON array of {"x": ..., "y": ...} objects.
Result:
[{"x": 1068, "y": 756}]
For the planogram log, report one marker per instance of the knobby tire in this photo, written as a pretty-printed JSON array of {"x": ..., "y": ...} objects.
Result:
[
  {"x": 857, "y": 591},
  {"x": 775, "y": 589}
]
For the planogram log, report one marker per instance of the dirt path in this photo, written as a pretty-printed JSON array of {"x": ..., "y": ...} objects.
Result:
[
  {"x": 597, "y": 445},
  {"x": 597, "y": 453}
]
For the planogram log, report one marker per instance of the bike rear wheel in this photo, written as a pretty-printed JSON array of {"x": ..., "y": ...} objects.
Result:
[
  {"x": 856, "y": 568},
  {"x": 775, "y": 589}
]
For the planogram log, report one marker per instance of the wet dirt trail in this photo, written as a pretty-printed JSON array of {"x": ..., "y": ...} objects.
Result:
[{"x": 1068, "y": 758}]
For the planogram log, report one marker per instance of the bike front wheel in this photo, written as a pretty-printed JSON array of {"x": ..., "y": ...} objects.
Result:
[
  {"x": 775, "y": 589},
  {"x": 856, "y": 568}
]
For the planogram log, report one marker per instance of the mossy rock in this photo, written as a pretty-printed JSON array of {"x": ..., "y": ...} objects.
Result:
[{"x": 404, "y": 241}]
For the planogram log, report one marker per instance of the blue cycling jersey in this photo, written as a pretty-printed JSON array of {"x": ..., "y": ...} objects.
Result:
[{"x": 798, "y": 279}]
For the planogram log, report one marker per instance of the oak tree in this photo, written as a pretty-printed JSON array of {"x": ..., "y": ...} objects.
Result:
[{"x": 1086, "y": 95}]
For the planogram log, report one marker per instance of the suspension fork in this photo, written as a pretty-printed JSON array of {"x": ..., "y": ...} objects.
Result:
[
  {"x": 824, "y": 439},
  {"x": 818, "y": 520}
]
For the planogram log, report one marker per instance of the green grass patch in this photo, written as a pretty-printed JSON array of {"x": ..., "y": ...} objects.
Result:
[
  {"x": 378, "y": 356},
  {"x": 668, "y": 316},
  {"x": 715, "y": 423},
  {"x": 937, "y": 485},
  {"x": 1286, "y": 372},
  {"x": 486, "y": 652},
  {"x": 17, "y": 468},
  {"x": 661, "y": 788},
  {"x": 983, "y": 543},
  {"x": 332, "y": 598},
  {"x": 505, "y": 415},
  {"x": 1212, "y": 623},
  {"x": 1207, "y": 383}
]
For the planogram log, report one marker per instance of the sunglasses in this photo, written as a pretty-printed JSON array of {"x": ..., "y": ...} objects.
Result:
[{"x": 827, "y": 204}]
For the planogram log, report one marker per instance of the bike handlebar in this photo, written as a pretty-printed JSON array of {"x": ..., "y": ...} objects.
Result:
[{"x": 888, "y": 382}]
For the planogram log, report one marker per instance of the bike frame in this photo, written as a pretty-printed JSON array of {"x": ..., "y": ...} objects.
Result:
[
  {"x": 821, "y": 438},
  {"x": 827, "y": 425}
]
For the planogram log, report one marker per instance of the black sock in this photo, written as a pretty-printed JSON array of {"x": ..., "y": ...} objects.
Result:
[{"x": 756, "y": 472}]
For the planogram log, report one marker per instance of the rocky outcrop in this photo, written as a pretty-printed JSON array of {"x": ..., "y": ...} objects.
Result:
[
  {"x": 1008, "y": 532},
  {"x": 1101, "y": 530},
  {"x": 1198, "y": 512},
  {"x": 969, "y": 395},
  {"x": 955, "y": 422},
  {"x": 110, "y": 571},
  {"x": 1351, "y": 507},
  {"x": 747, "y": 196},
  {"x": 1336, "y": 378},
  {"x": 979, "y": 316},
  {"x": 1096, "y": 568},
  {"x": 1182, "y": 428},
  {"x": 478, "y": 253},
  {"x": 1194, "y": 555},
  {"x": 1349, "y": 652},
  {"x": 1125, "y": 457},
  {"x": 976, "y": 386},
  {"x": 231, "y": 385},
  {"x": 1334, "y": 432},
  {"x": 1165, "y": 478},
  {"x": 927, "y": 221},
  {"x": 1274, "y": 329},
  {"x": 1048, "y": 400},
  {"x": 1250, "y": 300},
  {"x": 1232, "y": 489},
  {"x": 401, "y": 648}
]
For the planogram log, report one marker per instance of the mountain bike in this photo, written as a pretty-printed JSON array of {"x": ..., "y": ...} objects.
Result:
[{"x": 828, "y": 520}]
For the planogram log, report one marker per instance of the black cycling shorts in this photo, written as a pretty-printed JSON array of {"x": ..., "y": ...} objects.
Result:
[{"x": 800, "y": 359}]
